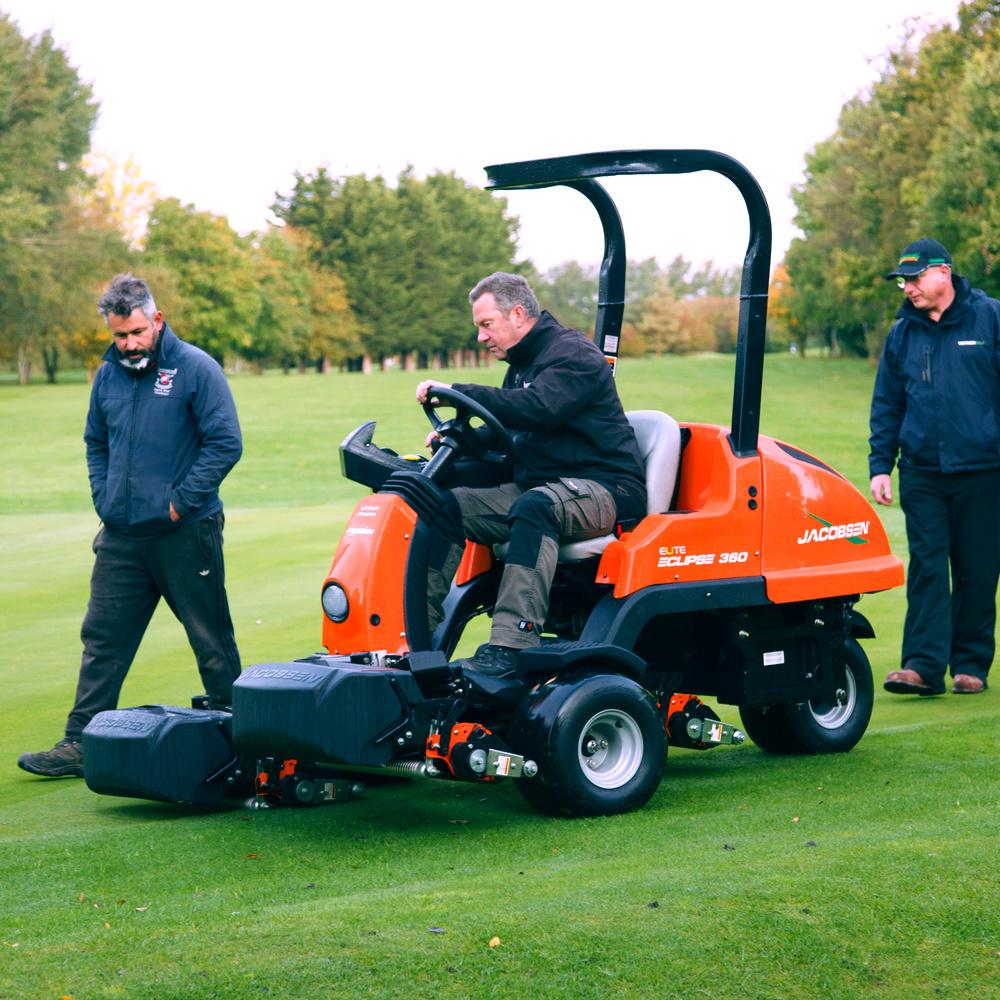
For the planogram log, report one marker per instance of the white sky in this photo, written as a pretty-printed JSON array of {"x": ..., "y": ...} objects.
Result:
[{"x": 220, "y": 101}]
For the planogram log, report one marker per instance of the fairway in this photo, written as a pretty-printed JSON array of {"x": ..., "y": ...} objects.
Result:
[{"x": 870, "y": 874}]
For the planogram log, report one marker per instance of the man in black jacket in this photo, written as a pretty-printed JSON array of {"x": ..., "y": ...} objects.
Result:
[
  {"x": 577, "y": 468},
  {"x": 161, "y": 435},
  {"x": 936, "y": 405}
]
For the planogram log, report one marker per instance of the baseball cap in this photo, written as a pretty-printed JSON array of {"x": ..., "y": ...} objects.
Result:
[{"x": 918, "y": 256}]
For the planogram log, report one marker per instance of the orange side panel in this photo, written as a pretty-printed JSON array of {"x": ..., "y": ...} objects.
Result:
[
  {"x": 822, "y": 537},
  {"x": 370, "y": 564},
  {"x": 780, "y": 514},
  {"x": 716, "y": 537}
]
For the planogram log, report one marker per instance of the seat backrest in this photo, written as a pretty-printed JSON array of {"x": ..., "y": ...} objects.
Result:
[{"x": 659, "y": 439}]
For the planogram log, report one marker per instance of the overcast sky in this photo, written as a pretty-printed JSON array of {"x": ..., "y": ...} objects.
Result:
[{"x": 220, "y": 102}]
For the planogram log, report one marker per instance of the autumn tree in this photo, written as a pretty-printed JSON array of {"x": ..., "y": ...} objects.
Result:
[
  {"x": 782, "y": 328},
  {"x": 305, "y": 316},
  {"x": 86, "y": 250},
  {"x": 125, "y": 198}
]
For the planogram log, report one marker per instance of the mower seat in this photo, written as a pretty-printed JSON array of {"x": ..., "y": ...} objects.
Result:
[{"x": 659, "y": 439}]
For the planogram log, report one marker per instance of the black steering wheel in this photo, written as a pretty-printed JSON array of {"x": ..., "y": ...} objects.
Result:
[{"x": 459, "y": 431}]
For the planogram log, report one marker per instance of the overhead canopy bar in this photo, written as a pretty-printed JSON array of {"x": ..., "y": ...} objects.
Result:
[{"x": 581, "y": 172}]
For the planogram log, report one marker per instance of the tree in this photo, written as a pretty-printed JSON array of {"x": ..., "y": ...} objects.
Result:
[
  {"x": 305, "y": 315},
  {"x": 125, "y": 196},
  {"x": 962, "y": 204},
  {"x": 407, "y": 255},
  {"x": 569, "y": 292},
  {"x": 84, "y": 252},
  {"x": 641, "y": 278},
  {"x": 872, "y": 187},
  {"x": 659, "y": 327},
  {"x": 46, "y": 116},
  {"x": 782, "y": 329},
  {"x": 219, "y": 303}
]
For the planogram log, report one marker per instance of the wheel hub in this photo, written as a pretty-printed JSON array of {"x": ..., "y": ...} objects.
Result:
[
  {"x": 611, "y": 746},
  {"x": 833, "y": 714}
]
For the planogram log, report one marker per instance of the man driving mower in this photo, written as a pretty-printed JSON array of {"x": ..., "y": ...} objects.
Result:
[{"x": 577, "y": 470}]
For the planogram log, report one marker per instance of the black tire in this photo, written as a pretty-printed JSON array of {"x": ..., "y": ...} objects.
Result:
[
  {"x": 599, "y": 743},
  {"x": 821, "y": 726}
]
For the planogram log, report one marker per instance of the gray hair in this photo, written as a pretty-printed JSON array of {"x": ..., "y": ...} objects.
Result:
[
  {"x": 124, "y": 295},
  {"x": 508, "y": 290}
]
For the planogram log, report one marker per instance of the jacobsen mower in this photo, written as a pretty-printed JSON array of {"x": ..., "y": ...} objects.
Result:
[{"x": 740, "y": 584}]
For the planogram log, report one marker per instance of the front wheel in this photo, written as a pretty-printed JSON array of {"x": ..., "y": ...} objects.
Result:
[
  {"x": 599, "y": 743},
  {"x": 822, "y": 726}
]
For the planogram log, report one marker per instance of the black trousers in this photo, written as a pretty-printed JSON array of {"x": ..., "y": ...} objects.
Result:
[
  {"x": 130, "y": 576},
  {"x": 951, "y": 518}
]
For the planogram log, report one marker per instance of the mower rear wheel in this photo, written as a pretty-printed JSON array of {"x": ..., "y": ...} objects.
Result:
[
  {"x": 821, "y": 726},
  {"x": 599, "y": 743}
]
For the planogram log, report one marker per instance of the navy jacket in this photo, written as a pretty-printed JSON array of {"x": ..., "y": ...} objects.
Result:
[
  {"x": 559, "y": 400},
  {"x": 937, "y": 392},
  {"x": 167, "y": 435}
]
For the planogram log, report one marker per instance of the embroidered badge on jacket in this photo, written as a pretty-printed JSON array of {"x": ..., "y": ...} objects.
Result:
[{"x": 164, "y": 381}]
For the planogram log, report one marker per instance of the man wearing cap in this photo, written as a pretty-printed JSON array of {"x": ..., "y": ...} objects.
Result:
[{"x": 936, "y": 408}]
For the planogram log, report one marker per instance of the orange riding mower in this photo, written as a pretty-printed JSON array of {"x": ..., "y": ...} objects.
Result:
[{"x": 739, "y": 584}]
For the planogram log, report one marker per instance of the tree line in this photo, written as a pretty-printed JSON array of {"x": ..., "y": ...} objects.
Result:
[
  {"x": 359, "y": 271},
  {"x": 918, "y": 155},
  {"x": 363, "y": 271}
]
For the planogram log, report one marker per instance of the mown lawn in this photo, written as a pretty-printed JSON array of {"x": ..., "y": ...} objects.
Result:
[{"x": 869, "y": 874}]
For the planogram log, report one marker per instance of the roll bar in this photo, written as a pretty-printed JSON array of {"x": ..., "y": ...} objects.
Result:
[{"x": 581, "y": 173}]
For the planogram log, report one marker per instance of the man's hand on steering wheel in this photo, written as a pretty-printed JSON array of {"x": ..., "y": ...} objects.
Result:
[
  {"x": 459, "y": 430},
  {"x": 426, "y": 386}
]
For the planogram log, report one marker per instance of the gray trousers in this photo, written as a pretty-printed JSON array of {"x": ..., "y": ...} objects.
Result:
[
  {"x": 534, "y": 522},
  {"x": 130, "y": 576}
]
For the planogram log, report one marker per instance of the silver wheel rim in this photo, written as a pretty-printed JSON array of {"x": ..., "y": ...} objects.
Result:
[
  {"x": 610, "y": 750},
  {"x": 832, "y": 714}
]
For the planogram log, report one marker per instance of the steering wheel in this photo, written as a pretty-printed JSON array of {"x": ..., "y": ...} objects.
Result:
[{"x": 460, "y": 430}]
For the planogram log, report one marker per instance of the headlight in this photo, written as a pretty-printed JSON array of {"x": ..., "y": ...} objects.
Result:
[{"x": 335, "y": 602}]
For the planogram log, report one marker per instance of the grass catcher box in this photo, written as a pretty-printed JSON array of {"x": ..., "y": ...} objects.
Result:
[
  {"x": 330, "y": 711},
  {"x": 159, "y": 752}
]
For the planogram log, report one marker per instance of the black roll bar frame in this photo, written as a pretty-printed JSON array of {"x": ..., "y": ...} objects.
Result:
[{"x": 581, "y": 173}]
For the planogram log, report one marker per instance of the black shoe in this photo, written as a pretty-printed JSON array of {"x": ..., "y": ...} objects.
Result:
[
  {"x": 64, "y": 760},
  {"x": 497, "y": 661}
]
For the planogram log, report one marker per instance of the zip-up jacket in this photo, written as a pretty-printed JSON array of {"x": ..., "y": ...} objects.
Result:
[
  {"x": 936, "y": 401},
  {"x": 559, "y": 401},
  {"x": 167, "y": 435}
]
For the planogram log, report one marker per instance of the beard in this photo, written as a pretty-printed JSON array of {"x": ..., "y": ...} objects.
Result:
[{"x": 138, "y": 361}]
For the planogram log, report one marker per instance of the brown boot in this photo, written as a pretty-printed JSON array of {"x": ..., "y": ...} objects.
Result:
[{"x": 64, "y": 760}]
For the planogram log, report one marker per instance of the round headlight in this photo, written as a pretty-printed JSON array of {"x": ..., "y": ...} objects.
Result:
[{"x": 335, "y": 602}]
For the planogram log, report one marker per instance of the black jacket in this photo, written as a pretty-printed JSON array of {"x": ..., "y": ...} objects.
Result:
[
  {"x": 560, "y": 402},
  {"x": 937, "y": 392},
  {"x": 167, "y": 435}
]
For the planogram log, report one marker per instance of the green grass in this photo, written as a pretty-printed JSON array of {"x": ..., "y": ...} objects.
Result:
[{"x": 865, "y": 875}]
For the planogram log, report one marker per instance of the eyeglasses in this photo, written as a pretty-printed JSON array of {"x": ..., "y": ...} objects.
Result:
[{"x": 904, "y": 279}]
